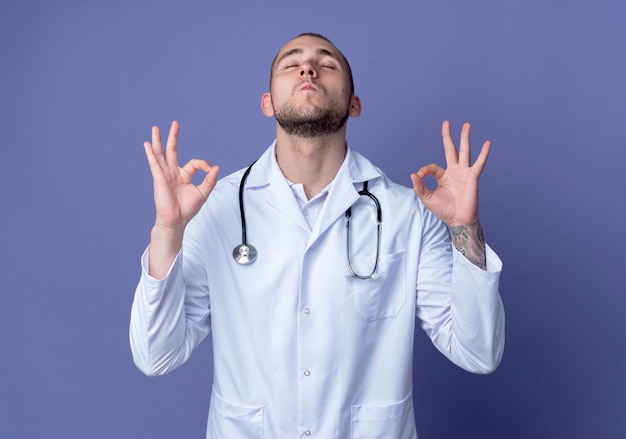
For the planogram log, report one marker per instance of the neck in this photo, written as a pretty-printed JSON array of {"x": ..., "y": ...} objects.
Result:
[{"x": 312, "y": 162}]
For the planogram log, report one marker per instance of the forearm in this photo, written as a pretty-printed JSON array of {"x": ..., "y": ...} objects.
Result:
[
  {"x": 470, "y": 242},
  {"x": 459, "y": 304},
  {"x": 477, "y": 314},
  {"x": 165, "y": 244},
  {"x": 157, "y": 324},
  {"x": 169, "y": 317}
]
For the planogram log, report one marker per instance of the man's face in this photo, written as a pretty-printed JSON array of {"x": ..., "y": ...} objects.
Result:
[{"x": 310, "y": 89}]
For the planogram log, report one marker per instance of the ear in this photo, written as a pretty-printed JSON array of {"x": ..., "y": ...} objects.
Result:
[
  {"x": 355, "y": 106},
  {"x": 266, "y": 105}
]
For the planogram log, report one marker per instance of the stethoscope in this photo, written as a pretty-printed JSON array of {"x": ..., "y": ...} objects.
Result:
[{"x": 246, "y": 253}]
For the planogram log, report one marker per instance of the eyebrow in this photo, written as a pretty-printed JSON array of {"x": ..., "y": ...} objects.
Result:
[{"x": 297, "y": 51}]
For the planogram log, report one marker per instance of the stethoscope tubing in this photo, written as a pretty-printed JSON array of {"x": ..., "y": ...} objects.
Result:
[
  {"x": 379, "y": 220},
  {"x": 244, "y": 240},
  {"x": 245, "y": 253}
]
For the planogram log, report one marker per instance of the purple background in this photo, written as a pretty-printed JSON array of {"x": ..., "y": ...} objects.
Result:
[{"x": 82, "y": 82}]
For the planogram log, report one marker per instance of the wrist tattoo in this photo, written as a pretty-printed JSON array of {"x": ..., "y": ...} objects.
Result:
[{"x": 469, "y": 241}]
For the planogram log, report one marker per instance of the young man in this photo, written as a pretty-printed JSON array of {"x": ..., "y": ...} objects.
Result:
[{"x": 313, "y": 335}]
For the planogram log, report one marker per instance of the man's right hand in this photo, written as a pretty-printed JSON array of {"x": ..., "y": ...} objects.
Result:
[{"x": 176, "y": 199}]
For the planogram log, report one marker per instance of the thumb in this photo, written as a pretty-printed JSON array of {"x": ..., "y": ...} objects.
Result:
[
  {"x": 420, "y": 189},
  {"x": 209, "y": 182}
]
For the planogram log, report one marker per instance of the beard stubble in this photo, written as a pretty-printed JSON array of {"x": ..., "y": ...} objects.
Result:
[{"x": 311, "y": 121}]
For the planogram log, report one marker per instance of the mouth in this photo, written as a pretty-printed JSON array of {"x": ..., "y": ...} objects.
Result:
[{"x": 308, "y": 87}]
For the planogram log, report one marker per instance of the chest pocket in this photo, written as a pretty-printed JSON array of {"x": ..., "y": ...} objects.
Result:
[{"x": 383, "y": 295}]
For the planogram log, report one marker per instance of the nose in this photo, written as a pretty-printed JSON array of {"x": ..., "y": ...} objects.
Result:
[{"x": 308, "y": 70}]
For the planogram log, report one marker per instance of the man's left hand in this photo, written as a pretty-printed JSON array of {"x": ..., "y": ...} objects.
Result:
[{"x": 455, "y": 200}]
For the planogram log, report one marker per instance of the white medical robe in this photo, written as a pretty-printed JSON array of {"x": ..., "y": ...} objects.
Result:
[{"x": 300, "y": 348}]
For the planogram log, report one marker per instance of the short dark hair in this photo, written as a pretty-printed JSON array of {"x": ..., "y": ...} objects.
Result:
[{"x": 313, "y": 34}]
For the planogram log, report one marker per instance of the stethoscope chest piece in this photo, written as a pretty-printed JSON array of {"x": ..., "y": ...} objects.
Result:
[{"x": 244, "y": 254}]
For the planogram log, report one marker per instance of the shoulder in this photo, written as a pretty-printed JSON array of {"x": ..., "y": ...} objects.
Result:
[
  {"x": 256, "y": 174},
  {"x": 226, "y": 189},
  {"x": 362, "y": 169},
  {"x": 397, "y": 198}
]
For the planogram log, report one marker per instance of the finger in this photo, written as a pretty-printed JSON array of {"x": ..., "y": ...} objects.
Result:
[
  {"x": 481, "y": 160},
  {"x": 209, "y": 182},
  {"x": 464, "y": 146},
  {"x": 147, "y": 146},
  {"x": 157, "y": 147},
  {"x": 171, "y": 153},
  {"x": 418, "y": 186},
  {"x": 153, "y": 151},
  {"x": 193, "y": 166},
  {"x": 433, "y": 169},
  {"x": 423, "y": 193},
  {"x": 155, "y": 163},
  {"x": 156, "y": 140},
  {"x": 210, "y": 179},
  {"x": 449, "y": 148}
]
